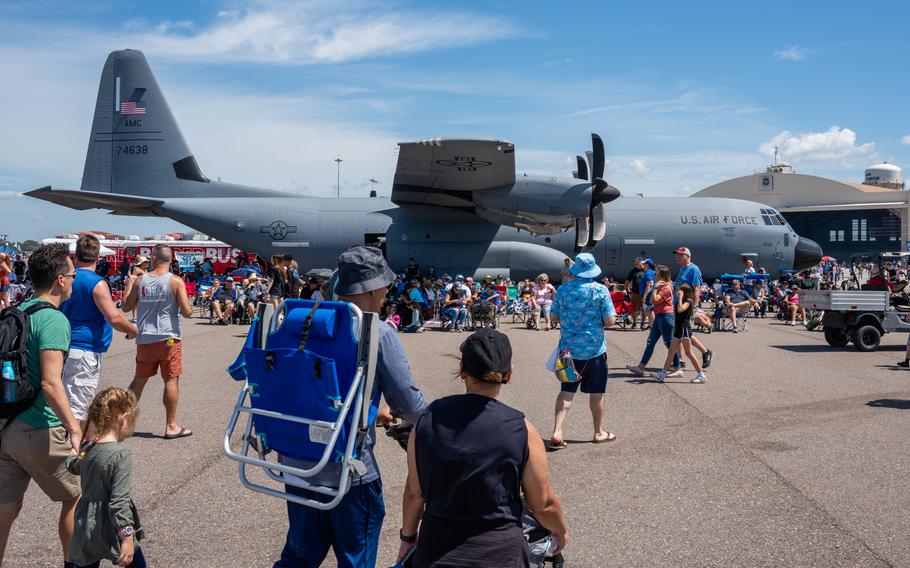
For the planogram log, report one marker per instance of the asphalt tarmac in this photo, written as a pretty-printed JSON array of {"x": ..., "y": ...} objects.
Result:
[{"x": 792, "y": 454}]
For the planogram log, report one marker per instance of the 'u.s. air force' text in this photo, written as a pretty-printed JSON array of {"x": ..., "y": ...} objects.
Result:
[{"x": 718, "y": 220}]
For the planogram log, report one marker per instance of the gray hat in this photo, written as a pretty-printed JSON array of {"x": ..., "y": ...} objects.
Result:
[{"x": 362, "y": 269}]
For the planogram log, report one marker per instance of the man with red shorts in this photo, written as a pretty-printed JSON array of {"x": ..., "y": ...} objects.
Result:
[{"x": 160, "y": 299}]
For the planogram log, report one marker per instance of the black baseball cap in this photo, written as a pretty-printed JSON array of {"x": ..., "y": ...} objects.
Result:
[{"x": 484, "y": 351}]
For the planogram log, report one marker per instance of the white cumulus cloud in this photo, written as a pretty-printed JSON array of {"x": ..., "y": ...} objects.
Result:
[
  {"x": 834, "y": 144},
  {"x": 792, "y": 53},
  {"x": 640, "y": 167},
  {"x": 906, "y": 139}
]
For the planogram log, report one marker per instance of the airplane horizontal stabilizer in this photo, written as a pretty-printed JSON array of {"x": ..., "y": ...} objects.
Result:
[{"x": 82, "y": 200}]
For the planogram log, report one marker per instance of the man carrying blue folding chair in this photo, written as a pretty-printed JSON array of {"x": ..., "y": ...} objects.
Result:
[{"x": 352, "y": 528}]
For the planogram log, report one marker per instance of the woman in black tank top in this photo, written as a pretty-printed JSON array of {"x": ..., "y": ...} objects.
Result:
[{"x": 465, "y": 484}]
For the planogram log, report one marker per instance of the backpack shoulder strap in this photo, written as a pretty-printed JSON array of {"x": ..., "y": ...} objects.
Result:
[{"x": 37, "y": 307}]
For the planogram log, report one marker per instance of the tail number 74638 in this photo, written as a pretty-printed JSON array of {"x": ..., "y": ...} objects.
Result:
[{"x": 132, "y": 150}]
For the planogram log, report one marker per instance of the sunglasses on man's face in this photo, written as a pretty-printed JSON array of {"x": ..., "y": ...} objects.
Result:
[{"x": 70, "y": 274}]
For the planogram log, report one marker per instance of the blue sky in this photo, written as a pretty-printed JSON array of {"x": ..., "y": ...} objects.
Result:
[{"x": 268, "y": 93}]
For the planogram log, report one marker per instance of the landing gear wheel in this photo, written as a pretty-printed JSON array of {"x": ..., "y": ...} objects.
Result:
[
  {"x": 836, "y": 337},
  {"x": 866, "y": 338}
]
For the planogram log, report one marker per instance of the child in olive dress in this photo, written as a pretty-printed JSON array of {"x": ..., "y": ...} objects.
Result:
[{"x": 106, "y": 520}]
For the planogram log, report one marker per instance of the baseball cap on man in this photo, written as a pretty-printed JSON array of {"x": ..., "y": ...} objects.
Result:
[
  {"x": 683, "y": 250},
  {"x": 459, "y": 278},
  {"x": 485, "y": 351},
  {"x": 585, "y": 266},
  {"x": 649, "y": 261},
  {"x": 362, "y": 269}
]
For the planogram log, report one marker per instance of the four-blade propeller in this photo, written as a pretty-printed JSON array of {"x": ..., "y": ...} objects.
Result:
[{"x": 593, "y": 228}]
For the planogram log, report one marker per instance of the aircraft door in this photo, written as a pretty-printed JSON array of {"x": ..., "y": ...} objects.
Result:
[{"x": 613, "y": 248}]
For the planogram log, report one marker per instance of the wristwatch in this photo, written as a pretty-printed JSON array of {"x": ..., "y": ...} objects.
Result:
[
  {"x": 408, "y": 539},
  {"x": 126, "y": 531}
]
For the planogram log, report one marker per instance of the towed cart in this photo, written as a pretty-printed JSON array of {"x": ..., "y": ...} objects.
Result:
[{"x": 860, "y": 317}]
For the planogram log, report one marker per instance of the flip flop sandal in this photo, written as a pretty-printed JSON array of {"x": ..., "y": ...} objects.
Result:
[
  {"x": 610, "y": 437},
  {"x": 560, "y": 446},
  {"x": 183, "y": 433}
]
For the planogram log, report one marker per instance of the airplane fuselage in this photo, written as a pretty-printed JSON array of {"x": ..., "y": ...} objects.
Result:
[{"x": 720, "y": 232}]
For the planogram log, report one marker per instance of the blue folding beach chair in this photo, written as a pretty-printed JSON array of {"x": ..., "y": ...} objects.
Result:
[{"x": 308, "y": 373}]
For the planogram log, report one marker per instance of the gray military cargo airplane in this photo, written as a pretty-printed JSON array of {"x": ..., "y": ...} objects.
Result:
[{"x": 456, "y": 204}]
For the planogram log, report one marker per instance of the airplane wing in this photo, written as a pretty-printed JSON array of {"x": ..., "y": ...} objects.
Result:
[
  {"x": 82, "y": 200},
  {"x": 442, "y": 167}
]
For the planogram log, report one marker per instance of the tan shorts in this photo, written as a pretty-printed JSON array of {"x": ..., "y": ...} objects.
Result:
[
  {"x": 29, "y": 453},
  {"x": 167, "y": 356}
]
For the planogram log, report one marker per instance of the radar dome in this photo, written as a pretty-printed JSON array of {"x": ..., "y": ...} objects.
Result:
[{"x": 884, "y": 175}]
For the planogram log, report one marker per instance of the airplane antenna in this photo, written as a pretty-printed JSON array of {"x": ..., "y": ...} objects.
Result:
[{"x": 338, "y": 161}]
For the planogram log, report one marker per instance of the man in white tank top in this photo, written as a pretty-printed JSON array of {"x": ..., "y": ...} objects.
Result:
[{"x": 160, "y": 299}]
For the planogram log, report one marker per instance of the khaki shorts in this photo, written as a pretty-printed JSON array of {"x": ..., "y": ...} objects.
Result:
[
  {"x": 167, "y": 356},
  {"x": 81, "y": 373},
  {"x": 29, "y": 453}
]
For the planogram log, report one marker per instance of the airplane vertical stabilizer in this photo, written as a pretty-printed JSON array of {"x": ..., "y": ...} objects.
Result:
[{"x": 136, "y": 147}]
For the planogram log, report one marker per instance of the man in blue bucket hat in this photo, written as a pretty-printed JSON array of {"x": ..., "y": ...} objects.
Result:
[{"x": 583, "y": 308}]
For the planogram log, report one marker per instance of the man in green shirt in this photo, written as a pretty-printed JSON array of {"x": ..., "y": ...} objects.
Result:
[{"x": 35, "y": 444}]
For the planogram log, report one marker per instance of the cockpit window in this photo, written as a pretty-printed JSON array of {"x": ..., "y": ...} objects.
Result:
[{"x": 772, "y": 217}]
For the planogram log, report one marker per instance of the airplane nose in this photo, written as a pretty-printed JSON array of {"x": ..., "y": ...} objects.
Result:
[{"x": 808, "y": 253}]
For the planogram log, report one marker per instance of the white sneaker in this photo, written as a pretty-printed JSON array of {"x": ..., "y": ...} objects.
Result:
[
  {"x": 636, "y": 370},
  {"x": 675, "y": 373},
  {"x": 699, "y": 378},
  {"x": 660, "y": 375},
  {"x": 792, "y": 324}
]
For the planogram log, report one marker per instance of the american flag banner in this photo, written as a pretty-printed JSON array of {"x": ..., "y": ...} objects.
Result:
[{"x": 132, "y": 107}]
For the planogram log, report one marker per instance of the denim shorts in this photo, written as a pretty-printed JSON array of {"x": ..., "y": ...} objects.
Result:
[{"x": 593, "y": 376}]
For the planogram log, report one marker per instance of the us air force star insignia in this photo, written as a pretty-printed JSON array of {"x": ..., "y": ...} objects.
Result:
[
  {"x": 464, "y": 163},
  {"x": 278, "y": 230}
]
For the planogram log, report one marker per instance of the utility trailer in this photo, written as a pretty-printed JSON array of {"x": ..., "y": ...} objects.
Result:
[{"x": 860, "y": 317}]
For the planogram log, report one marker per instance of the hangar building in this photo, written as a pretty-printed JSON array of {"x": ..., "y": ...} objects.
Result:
[{"x": 844, "y": 217}]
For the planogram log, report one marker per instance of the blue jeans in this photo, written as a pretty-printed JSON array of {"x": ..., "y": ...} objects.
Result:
[
  {"x": 457, "y": 314},
  {"x": 662, "y": 328},
  {"x": 351, "y": 528}
]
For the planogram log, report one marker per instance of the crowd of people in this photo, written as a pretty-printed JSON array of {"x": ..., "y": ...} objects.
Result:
[
  {"x": 458, "y": 507},
  {"x": 416, "y": 298}
]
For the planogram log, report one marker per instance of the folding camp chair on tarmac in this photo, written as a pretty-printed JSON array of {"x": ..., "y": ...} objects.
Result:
[{"x": 308, "y": 372}]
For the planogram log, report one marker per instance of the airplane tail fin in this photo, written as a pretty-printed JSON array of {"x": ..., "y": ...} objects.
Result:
[{"x": 136, "y": 147}]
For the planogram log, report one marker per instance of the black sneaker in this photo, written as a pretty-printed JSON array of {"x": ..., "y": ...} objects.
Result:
[
  {"x": 904, "y": 363},
  {"x": 706, "y": 359}
]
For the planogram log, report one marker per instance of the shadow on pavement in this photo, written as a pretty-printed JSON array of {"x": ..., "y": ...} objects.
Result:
[
  {"x": 827, "y": 348},
  {"x": 147, "y": 435},
  {"x": 897, "y": 403}
]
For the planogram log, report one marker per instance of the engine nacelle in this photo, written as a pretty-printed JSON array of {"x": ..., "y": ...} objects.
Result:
[{"x": 539, "y": 205}]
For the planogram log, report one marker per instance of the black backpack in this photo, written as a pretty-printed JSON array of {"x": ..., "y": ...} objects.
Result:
[{"x": 14, "y": 327}]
